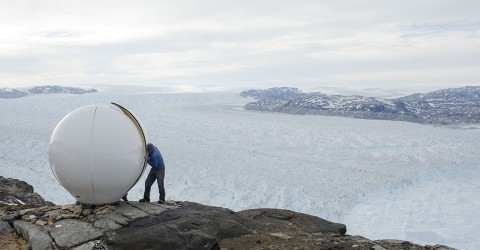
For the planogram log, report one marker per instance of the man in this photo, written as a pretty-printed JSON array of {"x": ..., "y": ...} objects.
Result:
[{"x": 157, "y": 172}]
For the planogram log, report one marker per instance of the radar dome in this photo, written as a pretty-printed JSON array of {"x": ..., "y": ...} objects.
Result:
[{"x": 97, "y": 153}]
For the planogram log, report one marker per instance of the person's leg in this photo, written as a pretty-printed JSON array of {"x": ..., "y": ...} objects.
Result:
[
  {"x": 148, "y": 185},
  {"x": 161, "y": 186}
]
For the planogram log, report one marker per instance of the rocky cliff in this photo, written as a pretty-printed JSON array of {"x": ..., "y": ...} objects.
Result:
[{"x": 28, "y": 221}]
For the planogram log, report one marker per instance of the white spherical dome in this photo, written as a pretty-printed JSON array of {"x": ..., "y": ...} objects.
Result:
[{"x": 97, "y": 153}]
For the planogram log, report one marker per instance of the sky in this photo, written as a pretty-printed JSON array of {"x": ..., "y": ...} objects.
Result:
[{"x": 212, "y": 44}]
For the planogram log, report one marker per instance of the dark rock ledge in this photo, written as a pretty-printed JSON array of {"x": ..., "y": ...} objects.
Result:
[{"x": 173, "y": 225}]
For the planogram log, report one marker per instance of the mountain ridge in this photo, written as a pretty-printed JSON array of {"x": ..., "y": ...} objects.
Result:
[
  {"x": 454, "y": 106},
  {"x": 44, "y": 89}
]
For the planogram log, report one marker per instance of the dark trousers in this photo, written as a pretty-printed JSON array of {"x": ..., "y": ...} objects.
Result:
[{"x": 156, "y": 174}]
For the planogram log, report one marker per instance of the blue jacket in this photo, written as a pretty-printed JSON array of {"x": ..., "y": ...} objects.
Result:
[{"x": 155, "y": 159}]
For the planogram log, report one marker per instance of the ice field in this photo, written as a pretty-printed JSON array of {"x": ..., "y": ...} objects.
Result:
[{"x": 383, "y": 179}]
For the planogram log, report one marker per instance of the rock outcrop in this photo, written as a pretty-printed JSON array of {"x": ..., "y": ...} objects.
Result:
[
  {"x": 173, "y": 225},
  {"x": 16, "y": 192}
]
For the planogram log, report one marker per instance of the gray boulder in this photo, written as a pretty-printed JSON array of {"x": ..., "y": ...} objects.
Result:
[
  {"x": 69, "y": 233},
  {"x": 37, "y": 237},
  {"x": 5, "y": 227}
]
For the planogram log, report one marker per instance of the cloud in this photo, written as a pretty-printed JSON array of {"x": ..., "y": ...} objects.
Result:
[
  {"x": 240, "y": 42},
  {"x": 176, "y": 64}
]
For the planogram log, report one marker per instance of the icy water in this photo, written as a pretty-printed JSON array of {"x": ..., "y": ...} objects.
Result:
[{"x": 383, "y": 179}]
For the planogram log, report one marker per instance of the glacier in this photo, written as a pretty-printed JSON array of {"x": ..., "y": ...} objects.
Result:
[{"x": 383, "y": 179}]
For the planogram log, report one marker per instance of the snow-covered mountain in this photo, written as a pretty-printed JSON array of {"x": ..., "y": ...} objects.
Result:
[
  {"x": 46, "y": 89},
  {"x": 447, "y": 106},
  {"x": 11, "y": 93},
  {"x": 55, "y": 89},
  {"x": 273, "y": 93}
]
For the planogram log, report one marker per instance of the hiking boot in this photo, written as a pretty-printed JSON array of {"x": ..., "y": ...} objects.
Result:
[
  {"x": 144, "y": 200},
  {"x": 161, "y": 201}
]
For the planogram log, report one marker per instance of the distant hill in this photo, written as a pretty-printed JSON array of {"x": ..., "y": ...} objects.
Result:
[
  {"x": 55, "y": 89},
  {"x": 11, "y": 93},
  {"x": 46, "y": 89},
  {"x": 447, "y": 106},
  {"x": 273, "y": 93}
]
